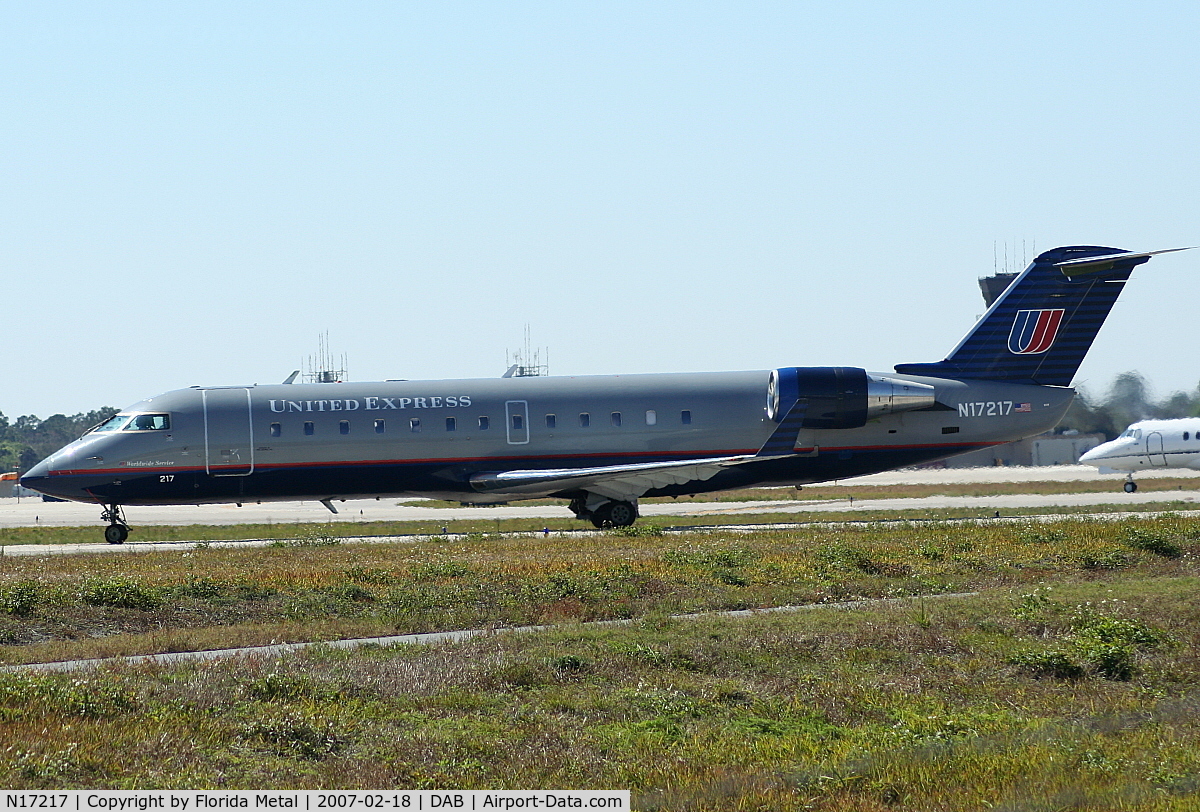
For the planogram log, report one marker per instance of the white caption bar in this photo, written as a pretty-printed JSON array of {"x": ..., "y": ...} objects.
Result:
[{"x": 208, "y": 800}]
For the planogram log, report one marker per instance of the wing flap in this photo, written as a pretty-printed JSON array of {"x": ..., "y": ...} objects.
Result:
[{"x": 624, "y": 482}]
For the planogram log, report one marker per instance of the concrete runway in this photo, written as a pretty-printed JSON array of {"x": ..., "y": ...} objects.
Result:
[{"x": 27, "y": 512}]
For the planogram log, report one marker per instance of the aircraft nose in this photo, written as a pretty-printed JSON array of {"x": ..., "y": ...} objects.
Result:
[
  {"x": 36, "y": 473},
  {"x": 36, "y": 476},
  {"x": 41, "y": 478}
]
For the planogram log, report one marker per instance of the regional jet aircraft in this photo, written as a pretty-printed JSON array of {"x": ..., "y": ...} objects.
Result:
[
  {"x": 602, "y": 442},
  {"x": 1149, "y": 445}
]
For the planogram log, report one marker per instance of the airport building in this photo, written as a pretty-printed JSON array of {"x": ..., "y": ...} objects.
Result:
[{"x": 1044, "y": 449}]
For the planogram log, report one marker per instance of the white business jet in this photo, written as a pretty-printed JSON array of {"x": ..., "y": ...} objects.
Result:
[{"x": 1147, "y": 445}]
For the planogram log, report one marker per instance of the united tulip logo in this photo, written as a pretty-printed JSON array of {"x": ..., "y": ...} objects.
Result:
[{"x": 1033, "y": 331}]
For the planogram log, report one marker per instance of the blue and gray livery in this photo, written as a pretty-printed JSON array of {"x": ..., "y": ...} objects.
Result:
[{"x": 602, "y": 442}]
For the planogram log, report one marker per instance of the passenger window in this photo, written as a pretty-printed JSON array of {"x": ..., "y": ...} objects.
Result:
[
  {"x": 517, "y": 422},
  {"x": 616, "y": 418},
  {"x": 276, "y": 429},
  {"x": 451, "y": 424},
  {"x": 1185, "y": 435},
  {"x": 550, "y": 421},
  {"x": 483, "y": 423},
  {"x": 685, "y": 417},
  {"x": 414, "y": 424},
  {"x": 380, "y": 427},
  {"x": 344, "y": 426},
  {"x": 308, "y": 428},
  {"x": 585, "y": 419},
  {"x": 651, "y": 417}
]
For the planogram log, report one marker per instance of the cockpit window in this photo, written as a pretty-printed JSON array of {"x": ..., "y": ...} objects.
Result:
[
  {"x": 113, "y": 423},
  {"x": 149, "y": 422}
]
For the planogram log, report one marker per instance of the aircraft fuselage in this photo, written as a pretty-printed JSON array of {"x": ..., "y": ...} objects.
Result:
[
  {"x": 361, "y": 440},
  {"x": 1150, "y": 444}
]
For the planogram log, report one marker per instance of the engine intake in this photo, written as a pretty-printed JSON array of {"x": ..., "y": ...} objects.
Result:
[{"x": 841, "y": 397}]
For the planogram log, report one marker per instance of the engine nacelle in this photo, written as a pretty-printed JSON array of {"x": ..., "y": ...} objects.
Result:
[{"x": 841, "y": 397}]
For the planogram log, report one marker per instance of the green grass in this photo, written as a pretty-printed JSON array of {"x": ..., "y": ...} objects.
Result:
[
  {"x": 484, "y": 526},
  {"x": 312, "y": 588},
  {"x": 1071, "y": 681},
  {"x": 913, "y": 706}
]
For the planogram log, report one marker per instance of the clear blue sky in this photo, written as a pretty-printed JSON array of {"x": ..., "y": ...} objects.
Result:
[{"x": 192, "y": 192}]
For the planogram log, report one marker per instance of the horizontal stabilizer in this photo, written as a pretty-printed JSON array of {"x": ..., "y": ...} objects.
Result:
[
  {"x": 1086, "y": 262},
  {"x": 1039, "y": 330}
]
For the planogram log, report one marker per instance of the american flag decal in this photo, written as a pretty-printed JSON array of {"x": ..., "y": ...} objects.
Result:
[
  {"x": 1023, "y": 407},
  {"x": 1033, "y": 331}
]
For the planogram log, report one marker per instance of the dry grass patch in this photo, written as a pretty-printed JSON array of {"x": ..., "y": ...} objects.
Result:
[
  {"x": 217, "y": 597},
  {"x": 915, "y": 706}
]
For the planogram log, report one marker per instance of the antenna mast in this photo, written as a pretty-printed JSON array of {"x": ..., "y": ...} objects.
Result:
[
  {"x": 526, "y": 363},
  {"x": 320, "y": 368}
]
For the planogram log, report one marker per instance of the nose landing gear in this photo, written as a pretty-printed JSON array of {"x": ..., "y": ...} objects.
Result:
[
  {"x": 117, "y": 530},
  {"x": 1130, "y": 485}
]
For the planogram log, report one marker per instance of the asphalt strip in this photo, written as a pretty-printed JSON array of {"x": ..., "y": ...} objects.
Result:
[{"x": 284, "y": 649}]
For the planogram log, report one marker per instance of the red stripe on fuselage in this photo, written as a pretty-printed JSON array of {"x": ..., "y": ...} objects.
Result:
[
  {"x": 259, "y": 466},
  {"x": 458, "y": 460}
]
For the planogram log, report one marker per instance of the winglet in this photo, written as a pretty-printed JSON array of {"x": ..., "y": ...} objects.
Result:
[{"x": 783, "y": 440}]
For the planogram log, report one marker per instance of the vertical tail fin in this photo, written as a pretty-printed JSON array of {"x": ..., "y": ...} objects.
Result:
[{"x": 1041, "y": 327}]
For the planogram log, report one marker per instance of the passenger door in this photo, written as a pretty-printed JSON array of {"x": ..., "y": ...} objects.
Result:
[
  {"x": 228, "y": 432},
  {"x": 1154, "y": 448}
]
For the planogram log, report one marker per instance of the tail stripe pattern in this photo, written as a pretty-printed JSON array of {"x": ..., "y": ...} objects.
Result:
[{"x": 1041, "y": 327}]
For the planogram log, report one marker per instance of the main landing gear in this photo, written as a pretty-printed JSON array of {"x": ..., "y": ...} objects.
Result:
[
  {"x": 604, "y": 512},
  {"x": 1130, "y": 485},
  {"x": 117, "y": 530}
]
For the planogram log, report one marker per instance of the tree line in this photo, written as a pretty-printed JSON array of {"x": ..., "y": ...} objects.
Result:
[
  {"x": 1127, "y": 401},
  {"x": 27, "y": 439}
]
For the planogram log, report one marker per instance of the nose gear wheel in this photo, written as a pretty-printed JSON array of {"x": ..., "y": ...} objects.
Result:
[{"x": 117, "y": 530}]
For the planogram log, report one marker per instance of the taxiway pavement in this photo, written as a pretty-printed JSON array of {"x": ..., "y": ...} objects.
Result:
[{"x": 32, "y": 512}]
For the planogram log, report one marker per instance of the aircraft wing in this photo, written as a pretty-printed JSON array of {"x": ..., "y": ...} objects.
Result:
[
  {"x": 630, "y": 481},
  {"x": 620, "y": 482}
]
